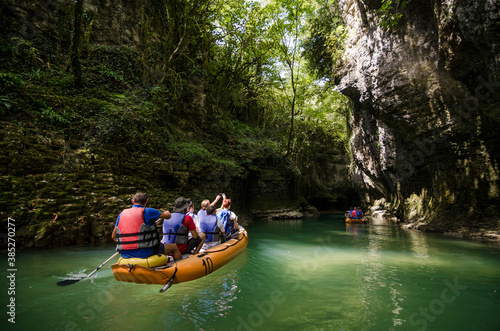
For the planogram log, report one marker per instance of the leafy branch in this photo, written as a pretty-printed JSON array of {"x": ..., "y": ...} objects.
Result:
[{"x": 391, "y": 12}]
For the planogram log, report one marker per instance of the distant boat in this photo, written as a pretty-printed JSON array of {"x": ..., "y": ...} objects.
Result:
[{"x": 363, "y": 220}]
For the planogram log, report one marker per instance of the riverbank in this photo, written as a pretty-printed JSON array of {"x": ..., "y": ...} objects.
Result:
[{"x": 482, "y": 235}]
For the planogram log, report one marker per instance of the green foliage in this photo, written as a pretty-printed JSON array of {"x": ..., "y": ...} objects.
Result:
[
  {"x": 10, "y": 82},
  {"x": 238, "y": 70},
  {"x": 324, "y": 44},
  {"x": 8, "y": 101},
  {"x": 190, "y": 153},
  {"x": 391, "y": 12},
  {"x": 109, "y": 74},
  {"x": 113, "y": 67},
  {"x": 25, "y": 52},
  {"x": 56, "y": 118}
]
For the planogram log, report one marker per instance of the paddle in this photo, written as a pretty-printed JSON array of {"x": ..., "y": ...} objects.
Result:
[
  {"x": 70, "y": 281},
  {"x": 169, "y": 283}
]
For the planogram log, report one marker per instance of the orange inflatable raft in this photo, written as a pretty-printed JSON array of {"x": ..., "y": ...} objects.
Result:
[
  {"x": 356, "y": 220},
  {"x": 190, "y": 268}
]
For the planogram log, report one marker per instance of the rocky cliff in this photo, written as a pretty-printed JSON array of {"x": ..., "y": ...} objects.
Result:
[{"x": 425, "y": 122}]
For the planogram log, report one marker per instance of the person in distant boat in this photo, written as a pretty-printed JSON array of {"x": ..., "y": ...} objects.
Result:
[
  {"x": 353, "y": 213},
  {"x": 177, "y": 228},
  {"x": 204, "y": 205},
  {"x": 212, "y": 227},
  {"x": 136, "y": 234},
  {"x": 359, "y": 212},
  {"x": 348, "y": 212},
  {"x": 229, "y": 219}
]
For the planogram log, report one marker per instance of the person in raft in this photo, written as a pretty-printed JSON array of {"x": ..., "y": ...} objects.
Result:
[
  {"x": 359, "y": 212},
  {"x": 353, "y": 213},
  {"x": 176, "y": 229},
  {"x": 212, "y": 227},
  {"x": 190, "y": 212},
  {"x": 136, "y": 234},
  {"x": 229, "y": 219},
  {"x": 204, "y": 205}
]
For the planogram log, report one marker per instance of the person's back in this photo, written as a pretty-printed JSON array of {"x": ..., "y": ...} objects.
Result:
[
  {"x": 201, "y": 215},
  {"x": 174, "y": 232},
  {"x": 359, "y": 212},
  {"x": 135, "y": 229},
  {"x": 223, "y": 216},
  {"x": 212, "y": 227}
]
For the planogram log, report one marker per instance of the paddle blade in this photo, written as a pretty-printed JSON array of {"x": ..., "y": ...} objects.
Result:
[{"x": 67, "y": 282}]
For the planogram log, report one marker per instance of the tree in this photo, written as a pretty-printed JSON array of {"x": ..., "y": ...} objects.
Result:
[
  {"x": 324, "y": 44},
  {"x": 75, "y": 47},
  {"x": 287, "y": 29}
]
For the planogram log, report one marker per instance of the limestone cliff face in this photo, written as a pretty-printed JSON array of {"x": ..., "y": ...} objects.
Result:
[{"x": 425, "y": 122}]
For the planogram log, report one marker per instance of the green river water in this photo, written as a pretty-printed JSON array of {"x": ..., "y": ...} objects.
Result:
[{"x": 310, "y": 274}]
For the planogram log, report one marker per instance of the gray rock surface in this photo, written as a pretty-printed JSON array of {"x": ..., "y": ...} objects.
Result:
[{"x": 425, "y": 122}]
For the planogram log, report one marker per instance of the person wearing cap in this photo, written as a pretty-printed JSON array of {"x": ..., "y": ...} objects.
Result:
[
  {"x": 136, "y": 234},
  {"x": 177, "y": 228}
]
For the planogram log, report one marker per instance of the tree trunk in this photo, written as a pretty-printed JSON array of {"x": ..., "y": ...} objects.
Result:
[{"x": 75, "y": 48}]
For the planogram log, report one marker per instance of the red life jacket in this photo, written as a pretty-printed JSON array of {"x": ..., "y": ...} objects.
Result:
[
  {"x": 133, "y": 233},
  {"x": 354, "y": 213}
]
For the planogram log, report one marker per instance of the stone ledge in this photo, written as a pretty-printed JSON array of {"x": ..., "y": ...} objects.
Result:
[{"x": 278, "y": 214}]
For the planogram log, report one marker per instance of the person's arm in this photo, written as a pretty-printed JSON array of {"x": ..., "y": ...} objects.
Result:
[
  {"x": 191, "y": 226},
  {"x": 115, "y": 230},
  {"x": 165, "y": 215},
  {"x": 113, "y": 235},
  {"x": 196, "y": 221},
  {"x": 221, "y": 227},
  {"x": 216, "y": 199},
  {"x": 234, "y": 218}
]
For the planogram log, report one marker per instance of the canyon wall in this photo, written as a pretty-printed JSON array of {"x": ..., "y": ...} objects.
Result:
[{"x": 426, "y": 114}]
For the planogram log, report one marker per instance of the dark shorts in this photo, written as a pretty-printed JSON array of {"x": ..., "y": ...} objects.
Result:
[
  {"x": 191, "y": 244},
  {"x": 161, "y": 249}
]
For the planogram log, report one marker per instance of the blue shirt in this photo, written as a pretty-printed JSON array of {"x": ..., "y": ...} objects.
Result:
[{"x": 150, "y": 217}]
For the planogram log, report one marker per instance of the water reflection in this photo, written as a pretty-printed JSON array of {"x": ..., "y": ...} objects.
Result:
[
  {"x": 213, "y": 297},
  {"x": 380, "y": 281},
  {"x": 355, "y": 229}
]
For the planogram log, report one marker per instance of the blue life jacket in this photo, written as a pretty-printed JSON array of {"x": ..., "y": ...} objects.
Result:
[
  {"x": 174, "y": 232},
  {"x": 223, "y": 215},
  {"x": 208, "y": 225},
  {"x": 201, "y": 215}
]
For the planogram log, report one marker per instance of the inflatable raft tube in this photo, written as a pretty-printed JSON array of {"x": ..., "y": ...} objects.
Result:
[
  {"x": 152, "y": 261},
  {"x": 356, "y": 220},
  {"x": 190, "y": 268}
]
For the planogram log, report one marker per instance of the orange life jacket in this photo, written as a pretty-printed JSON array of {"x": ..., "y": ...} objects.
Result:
[{"x": 133, "y": 233}]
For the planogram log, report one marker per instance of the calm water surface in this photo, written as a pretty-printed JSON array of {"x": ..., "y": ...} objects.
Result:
[{"x": 311, "y": 274}]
